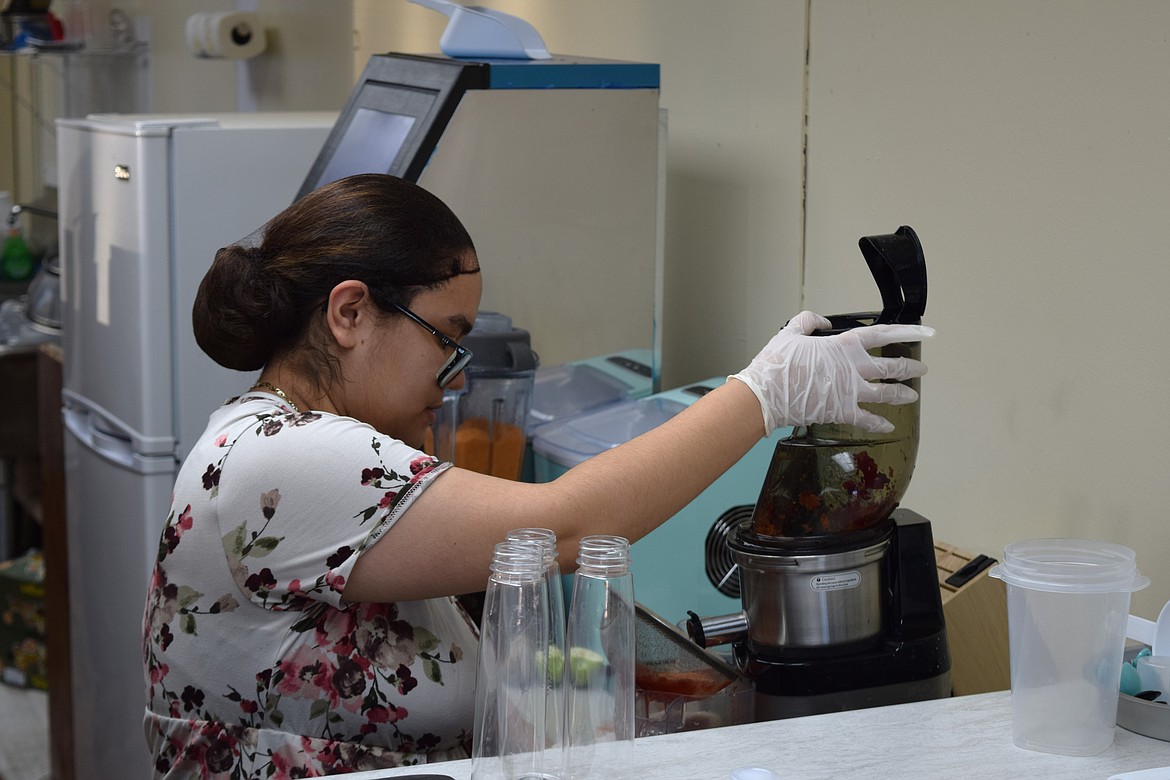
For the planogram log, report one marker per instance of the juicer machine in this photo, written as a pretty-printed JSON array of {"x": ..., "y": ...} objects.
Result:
[{"x": 841, "y": 607}]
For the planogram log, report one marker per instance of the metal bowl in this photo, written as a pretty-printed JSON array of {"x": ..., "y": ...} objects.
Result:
[
  {"x": 42, "y": 302},
  {"x": 1151, "y": 719}
]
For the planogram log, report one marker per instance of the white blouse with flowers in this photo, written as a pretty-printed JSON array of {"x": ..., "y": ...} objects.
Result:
[{"x": 255, "y": 666}]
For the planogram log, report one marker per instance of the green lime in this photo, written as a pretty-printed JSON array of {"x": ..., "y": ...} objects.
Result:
[
  {"x": 584, "y": 664},
  {"x": 556, "y": 664}
]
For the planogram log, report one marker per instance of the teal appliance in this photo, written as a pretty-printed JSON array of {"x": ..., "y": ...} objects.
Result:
[
  {"x": 636, "y": 368},
  {"x": 673, "y": 571}
]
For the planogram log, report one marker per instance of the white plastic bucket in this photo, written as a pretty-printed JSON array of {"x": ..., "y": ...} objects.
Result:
[{"x": 1068, "y": 602}]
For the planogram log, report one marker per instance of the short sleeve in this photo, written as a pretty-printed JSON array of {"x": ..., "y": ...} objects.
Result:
[{"x": 299, "y": 496}]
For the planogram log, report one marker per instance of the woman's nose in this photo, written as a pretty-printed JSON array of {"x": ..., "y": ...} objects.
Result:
[{"x": 457, "y": 382}]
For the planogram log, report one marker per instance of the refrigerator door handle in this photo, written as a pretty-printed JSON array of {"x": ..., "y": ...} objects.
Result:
[
  {"x": 82, "y": 423},
  {"x": 103, "y": 423}
]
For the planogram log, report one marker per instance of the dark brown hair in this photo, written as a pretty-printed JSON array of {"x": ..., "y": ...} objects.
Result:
[{"x": 258, "y": 301}]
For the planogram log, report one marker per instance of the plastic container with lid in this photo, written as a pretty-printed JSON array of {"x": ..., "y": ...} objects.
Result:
[
  {"x": 1068, "y": 603},
  {"x": 562, "y": 445},
  {"x": 570, "y": 389},
  {"x": 582, "y": 386}
]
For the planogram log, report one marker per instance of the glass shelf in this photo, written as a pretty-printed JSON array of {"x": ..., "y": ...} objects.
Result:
[{"x": 42, "y": 84}]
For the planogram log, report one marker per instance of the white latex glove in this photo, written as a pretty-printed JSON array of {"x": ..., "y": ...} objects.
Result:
[{"x": 802, "y": 379}]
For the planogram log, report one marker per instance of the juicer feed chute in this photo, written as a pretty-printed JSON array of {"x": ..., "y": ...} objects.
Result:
[{"x": 835, "y": 485}]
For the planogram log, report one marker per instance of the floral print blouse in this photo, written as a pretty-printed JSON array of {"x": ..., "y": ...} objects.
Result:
[{"x": 255, "y": 666}]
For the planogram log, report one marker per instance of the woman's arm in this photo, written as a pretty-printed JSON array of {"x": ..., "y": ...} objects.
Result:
[{"x": 443, "y": 544}]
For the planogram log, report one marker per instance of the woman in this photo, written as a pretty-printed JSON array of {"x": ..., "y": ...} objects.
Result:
[{"x": 301, "y": 619}]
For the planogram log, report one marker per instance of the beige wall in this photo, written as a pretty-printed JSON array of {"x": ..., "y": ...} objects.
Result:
[
  {"x": 1025, "y": 142},
  {"x": 306, "y": 67}
]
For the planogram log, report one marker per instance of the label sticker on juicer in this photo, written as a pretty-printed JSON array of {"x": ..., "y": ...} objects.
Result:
[{"x": 842, "y": 580}]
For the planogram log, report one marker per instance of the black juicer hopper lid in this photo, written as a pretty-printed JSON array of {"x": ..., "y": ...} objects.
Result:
[{"x": 899, "y": 268}]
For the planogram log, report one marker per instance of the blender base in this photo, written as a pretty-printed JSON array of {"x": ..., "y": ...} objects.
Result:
[
  {"x": 894, "y": 673},
  {"x": 770, "y": 707}
]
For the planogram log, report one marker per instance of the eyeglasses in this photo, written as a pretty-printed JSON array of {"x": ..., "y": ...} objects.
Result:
[{"x": 460, "y": 356}]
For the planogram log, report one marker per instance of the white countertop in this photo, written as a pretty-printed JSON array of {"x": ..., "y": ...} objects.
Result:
[{"x": 964, "y": 738}]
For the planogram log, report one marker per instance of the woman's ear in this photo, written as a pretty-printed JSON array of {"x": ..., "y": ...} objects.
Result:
[{"x": 347, "y": 312}]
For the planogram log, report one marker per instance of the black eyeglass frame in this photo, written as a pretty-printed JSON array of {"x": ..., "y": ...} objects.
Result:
[{"x": 460, "y": 355}]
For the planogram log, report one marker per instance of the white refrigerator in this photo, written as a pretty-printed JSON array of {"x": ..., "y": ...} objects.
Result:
[{"x": 144, "y": 202}]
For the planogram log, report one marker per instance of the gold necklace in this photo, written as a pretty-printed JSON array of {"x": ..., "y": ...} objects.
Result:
[{"x": 278, "y": 391}]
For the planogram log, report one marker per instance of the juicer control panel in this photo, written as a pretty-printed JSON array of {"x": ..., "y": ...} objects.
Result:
[{"x": 637, "y": 367}]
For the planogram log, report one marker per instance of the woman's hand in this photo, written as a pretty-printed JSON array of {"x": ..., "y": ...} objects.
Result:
[{"x": 801, "y": 379}]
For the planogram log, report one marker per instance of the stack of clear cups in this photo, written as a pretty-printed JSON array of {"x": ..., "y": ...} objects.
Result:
[
  {"x": 511, "y": 682},
  {"x": 546, "y": 539},
  {"x": 599, "y": 673}
]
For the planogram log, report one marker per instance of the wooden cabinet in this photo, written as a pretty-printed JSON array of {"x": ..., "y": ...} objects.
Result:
[
  {"x": 31, "y": 451},
  {"x": 52, "y": 504}
]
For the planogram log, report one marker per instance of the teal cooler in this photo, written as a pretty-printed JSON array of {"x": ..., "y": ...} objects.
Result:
[{"x": 670, "y": 564}]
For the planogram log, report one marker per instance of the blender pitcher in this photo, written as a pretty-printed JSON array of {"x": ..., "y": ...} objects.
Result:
[
  {"x": 831, "y": 485},
  {"x": 481, "y": 426}
]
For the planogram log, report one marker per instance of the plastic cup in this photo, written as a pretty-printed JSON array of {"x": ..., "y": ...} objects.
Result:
[{"x": 1068, "y": 604}]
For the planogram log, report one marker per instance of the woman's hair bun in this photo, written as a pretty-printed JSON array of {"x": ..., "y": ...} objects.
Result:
[{"x": 239, "y": 316}]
